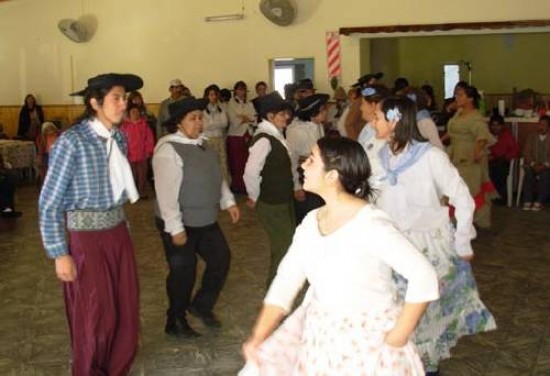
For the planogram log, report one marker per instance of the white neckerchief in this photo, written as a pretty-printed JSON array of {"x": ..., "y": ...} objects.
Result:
[
  {"x": 542, "y": 137},
  {"x": 120, "y": 173},
  {"x": 270, "y": 129}
]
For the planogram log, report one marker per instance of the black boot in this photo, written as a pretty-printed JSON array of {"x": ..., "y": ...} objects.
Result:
[
  {"x": 208, "y": 318},
  {"x": 179, "y": 327}
]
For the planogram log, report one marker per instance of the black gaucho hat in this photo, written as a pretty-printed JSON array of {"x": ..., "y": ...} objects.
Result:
[
  {"x": 305, "y": 84},
  {"x": 180, "y": 108},
  {"x": 273, "y": 102},
  {"x": 311, "y": 104},
  {"x": 364, "y": 81},
  {"x": 130, "y": 82}
]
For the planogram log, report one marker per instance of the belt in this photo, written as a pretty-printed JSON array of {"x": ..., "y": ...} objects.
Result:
[{"x": 94, "y": 220}]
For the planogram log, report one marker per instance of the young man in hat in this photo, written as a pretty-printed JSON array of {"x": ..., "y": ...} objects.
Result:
[
  {"x": 88, "y": 181},
  {"x": 177, "y": 92},
  {"x": 302, "y": 134},
  {"x": 270, "y": 184},
  {"x": 190, "y": 191}
]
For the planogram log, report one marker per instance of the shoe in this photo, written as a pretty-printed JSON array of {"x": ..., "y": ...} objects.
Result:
[
  {"x": 537, "y": 206},
  {"x": 526, "y": 206},
  {"x": 180, "y": 328},
  {"x": 208, "y": 318},
  {"x": 432, "y": 373},
  {"x": 11, "y": 214}
]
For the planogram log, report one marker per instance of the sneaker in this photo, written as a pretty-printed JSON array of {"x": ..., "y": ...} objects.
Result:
[
  {"x": 179, "y": 328},
  {"x": 537, "y": 206},
  {"x": 9, "y": 213},
  {"x": 527, "y": 206},
  {"x": 208, "y": 318}
]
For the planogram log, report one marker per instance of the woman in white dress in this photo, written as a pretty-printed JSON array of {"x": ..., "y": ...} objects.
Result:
[
  {"x": 417, "y": 175},
  {"x": 349, "y": 322}
]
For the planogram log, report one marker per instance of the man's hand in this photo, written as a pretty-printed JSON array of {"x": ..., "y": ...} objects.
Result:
[
  {"x": 65, "y": 268},
  {"x": 179, "y": 239},
  {"x": 234, "y": 213}
]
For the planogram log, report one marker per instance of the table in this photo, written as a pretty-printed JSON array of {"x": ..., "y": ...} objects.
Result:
[{"x": 19, "y": 154}]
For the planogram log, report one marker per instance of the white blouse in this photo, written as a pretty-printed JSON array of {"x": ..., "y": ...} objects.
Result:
[
  {"x": 351, "y": 268},
  {"x": 215, "y": 121},
  {"x": 235, "y": 108},
  {"x": 414, "y": 203}
]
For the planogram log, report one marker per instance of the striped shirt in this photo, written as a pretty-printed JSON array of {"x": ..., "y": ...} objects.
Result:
[{"x": 77, "y": 179}]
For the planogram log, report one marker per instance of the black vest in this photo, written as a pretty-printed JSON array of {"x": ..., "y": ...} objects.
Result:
[{"x": 277, "y": 185}]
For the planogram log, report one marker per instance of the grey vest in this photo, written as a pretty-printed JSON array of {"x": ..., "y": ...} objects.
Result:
[{"x": 200, "y": 194}]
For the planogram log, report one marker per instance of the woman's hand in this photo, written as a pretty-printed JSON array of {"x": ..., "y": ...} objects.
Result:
[
  {"x": 467, "y": 258},
  {"x": 250, "y": 350},
  {"x": 65, "y": 268},
  {"x": 395, "y": 339},
  {"x": 234, "y": 213},
  {"x": 250, "y": 203},
  {"x": 179, "y": 239}
]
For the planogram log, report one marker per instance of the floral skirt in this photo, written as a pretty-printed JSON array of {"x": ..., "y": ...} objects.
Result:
[
  {"x": 459, "y": 310},
  {"x": 314, "y": 341}
]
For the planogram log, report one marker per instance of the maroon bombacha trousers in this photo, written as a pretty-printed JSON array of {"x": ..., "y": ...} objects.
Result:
[{"x": 103, "y": 302}]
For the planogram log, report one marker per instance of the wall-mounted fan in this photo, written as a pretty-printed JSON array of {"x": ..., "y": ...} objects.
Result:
[
  {"x": 79, "y": 31},
  {"x": 280, "y": 12}
]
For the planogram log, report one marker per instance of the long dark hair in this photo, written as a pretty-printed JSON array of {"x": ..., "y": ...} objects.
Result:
[
  {"x": 215, "y": 88},
  {"x": 406, "y": 129},
  {"x": 89, "y": 112},
  {"x": 349, "y": 159}
]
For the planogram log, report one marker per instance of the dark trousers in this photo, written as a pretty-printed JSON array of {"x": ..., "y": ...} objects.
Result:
[
  {"x": 498, "y": 172},
  {"x": 102, "y": 304},
  {"x": 540, "y": 185},
  {"x": 7, "y": 190},
  {"x": 210, "y": 244},
  {"x": 311, "y": 202}
]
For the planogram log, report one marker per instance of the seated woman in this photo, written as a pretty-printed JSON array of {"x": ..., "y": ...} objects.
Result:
[
  {"x": 501, "y": 154},
  {"x": 7, "y": 192},
  {"x": 536, "y": 164},
  {"x": 349, "y": 322}
]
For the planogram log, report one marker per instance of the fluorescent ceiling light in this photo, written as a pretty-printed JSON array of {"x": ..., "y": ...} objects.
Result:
[{"x": 225, "y": 17}]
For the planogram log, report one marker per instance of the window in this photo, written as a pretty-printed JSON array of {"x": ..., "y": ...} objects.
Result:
[
  {"x": 451, "y": 74},
  {"x": 281, "y": 77}
]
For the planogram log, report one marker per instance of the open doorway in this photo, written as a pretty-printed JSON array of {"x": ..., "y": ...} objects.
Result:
[{"x": 290, "y": 70}]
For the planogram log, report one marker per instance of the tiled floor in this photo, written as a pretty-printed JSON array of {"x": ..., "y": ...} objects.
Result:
[{"x": 512, "y": 268}]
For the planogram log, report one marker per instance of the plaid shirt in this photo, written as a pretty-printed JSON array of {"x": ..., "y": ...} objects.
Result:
[{"x": 77, "y": 179}]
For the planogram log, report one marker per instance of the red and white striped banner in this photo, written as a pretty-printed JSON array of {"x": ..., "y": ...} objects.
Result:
[{"x": 333, "y": 54}]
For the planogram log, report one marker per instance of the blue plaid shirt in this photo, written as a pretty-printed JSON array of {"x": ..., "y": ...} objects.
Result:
[{"x": 78, "y": 178}]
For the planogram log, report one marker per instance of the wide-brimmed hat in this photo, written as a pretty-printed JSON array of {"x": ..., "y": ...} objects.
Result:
[
  {"x": 273, "y": 102},
  {"x": 311, "y": 104},
  {"x": 180, "y": 108},
  {"x": 130, "y": 82},
  {"x": 305, "y": 84},
  {"x": 364, "y": 80}
]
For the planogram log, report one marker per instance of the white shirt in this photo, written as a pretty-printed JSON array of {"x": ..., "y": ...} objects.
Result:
[
  {"x": 372, "y": 145},
  {"x": 414, "y": 203},
  {"x": 168, "y": 171},
  {"x": 257, "y": 155},
  {"x": 350, "y": 270},
  {"x": 236, "y": 107},
  {"x": 301, "y": 137},
  {"x": 215, "y": 122},
  {"x": 341, "y": 126}
]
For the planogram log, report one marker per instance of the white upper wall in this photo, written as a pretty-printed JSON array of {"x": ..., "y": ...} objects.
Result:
[{"x": 164, "y": 39}]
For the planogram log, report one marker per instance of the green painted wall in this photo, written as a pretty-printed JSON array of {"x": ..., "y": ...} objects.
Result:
[{"x": 500, "y": 62}]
